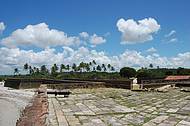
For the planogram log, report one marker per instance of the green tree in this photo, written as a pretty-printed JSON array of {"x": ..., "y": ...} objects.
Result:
[
  {"x": 104, "y": 67},
  {"x": 62, "y": 68},
  {"x": 43, "y": 69},
  {"x": 16, "y": 71},
  {"x": 127, "y": 72},
  {"x": 94, "y": 68},
  {"x": 26, "y": 67},
  {"x": 109, "y": 66},
  {"x": 182, "y": 71},
  {"x": 31, "y": 71},
  {"x": 94, "y": 62},
  {"x": 68, "y": 67},
  {"x": 90, "y": 65},
  {"x": 112, "y": 68},
  {"x": 169, "y": 73},
  {"x": 151, "y": 65},
  {"x": 82, "y": 66},
  {"x": 98, "y": 68},
  {"x": 54, "y": 70},
  {"x": 34, "y": 69},
  {"x": 56, "y": 67},
  {"x": 37, "y": 70},
  {"x": 74, "y": 67},
  {"x": 87, "y": 67},
  {"x": 143, "y": 73}
]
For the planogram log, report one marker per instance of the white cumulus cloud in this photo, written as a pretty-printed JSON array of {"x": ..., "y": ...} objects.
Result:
[
  {"x": 151, "y": 50},
  {"x": 84, "y": 35},
  {"x": 15, "y": 57},
  {"x": 93, "y": 40},
  {"x": 2, "y": 27},
  {"x": 96, "y": 40},
  {"x": 137, "y": 31},
  {"x": 173, "y": 40},
  {"x": 39, "y": 35},
  {"x": 171, "y": 37},
  {"x": 172, "y": 32}
]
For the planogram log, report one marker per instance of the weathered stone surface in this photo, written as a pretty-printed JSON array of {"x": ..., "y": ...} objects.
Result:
[
  {"x": 173, "y": 110},
  {"x": 159, "y": 119},
  {"x": 104, "y": 107},
  {"x": 149, "y": 124},
  {"x": 184, "y": 123}
]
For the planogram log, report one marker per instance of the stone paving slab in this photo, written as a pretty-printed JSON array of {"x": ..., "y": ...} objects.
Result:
[{"x": 119, "y": 107}]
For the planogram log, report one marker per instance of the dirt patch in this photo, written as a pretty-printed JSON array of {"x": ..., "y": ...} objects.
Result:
[{"x": 36, "y": 113}]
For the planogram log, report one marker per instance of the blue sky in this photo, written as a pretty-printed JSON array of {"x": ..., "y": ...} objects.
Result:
[{"x": 100, "y": 17}]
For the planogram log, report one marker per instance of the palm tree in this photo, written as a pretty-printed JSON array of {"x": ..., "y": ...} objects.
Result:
[
  {"x": 94, "y": 65},
  {"x": 74, "y": 67},
  {"x": 26, "y": 67},
  {"x": 151, "y": 65},
  {"x": 53, "y": 71},
  {"x": 31, "y": 70},
  {"x": 94, "y": 68},
  {"x": 98, "y": 68},
  {"x": 56, "y": 67},
  {"x": 109, "y": 66},
  {"x": 87, "y": 67},
  {"x": 16, "y": 71},
  {"x": 104, "y": 67},
  {"x": 82, "y": 66},
  {"x": 68, "y": 67},
  {"x": 37, "y": 70},
  {"x": 94, "y": 62},
  {"x": 112, "y": 69},
  {"x": 43, "y": 69},
  {"x": 78, "y": 68},
  {"x": 62, "y": 67},
  {"x": 90, "y": 64}
]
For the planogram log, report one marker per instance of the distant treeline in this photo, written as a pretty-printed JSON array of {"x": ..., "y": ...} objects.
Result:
[
  {"x": 92, "y": 70},
  {"x": 162, "y": 72},
  {"x": 83, "y": 70}
]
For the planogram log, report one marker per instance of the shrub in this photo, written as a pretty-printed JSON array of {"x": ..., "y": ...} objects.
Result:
[{"x": 127, "y": 72}]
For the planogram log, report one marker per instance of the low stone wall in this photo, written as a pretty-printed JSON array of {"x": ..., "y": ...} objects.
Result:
[
  {"x": 184, "y": 84},
  {"x": 118, "y": 84},
  {"x": 155, "y": 83},
  {"x": 23, "y": 83},
  {"x": 13, "y": 83},
  {"x": 77, "y": 83},
  {"x": 125, "y": 84},
  {"x": 27, "y": 85}
]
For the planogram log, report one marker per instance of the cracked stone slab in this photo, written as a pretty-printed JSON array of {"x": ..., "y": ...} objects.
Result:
[{"x": 173, "y": 110}]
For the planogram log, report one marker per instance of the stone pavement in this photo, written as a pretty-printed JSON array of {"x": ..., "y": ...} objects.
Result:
[{"x": 120, "y": 107}]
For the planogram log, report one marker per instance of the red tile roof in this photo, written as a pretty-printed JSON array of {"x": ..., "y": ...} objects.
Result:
[{"x": 177, "y": 78}]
